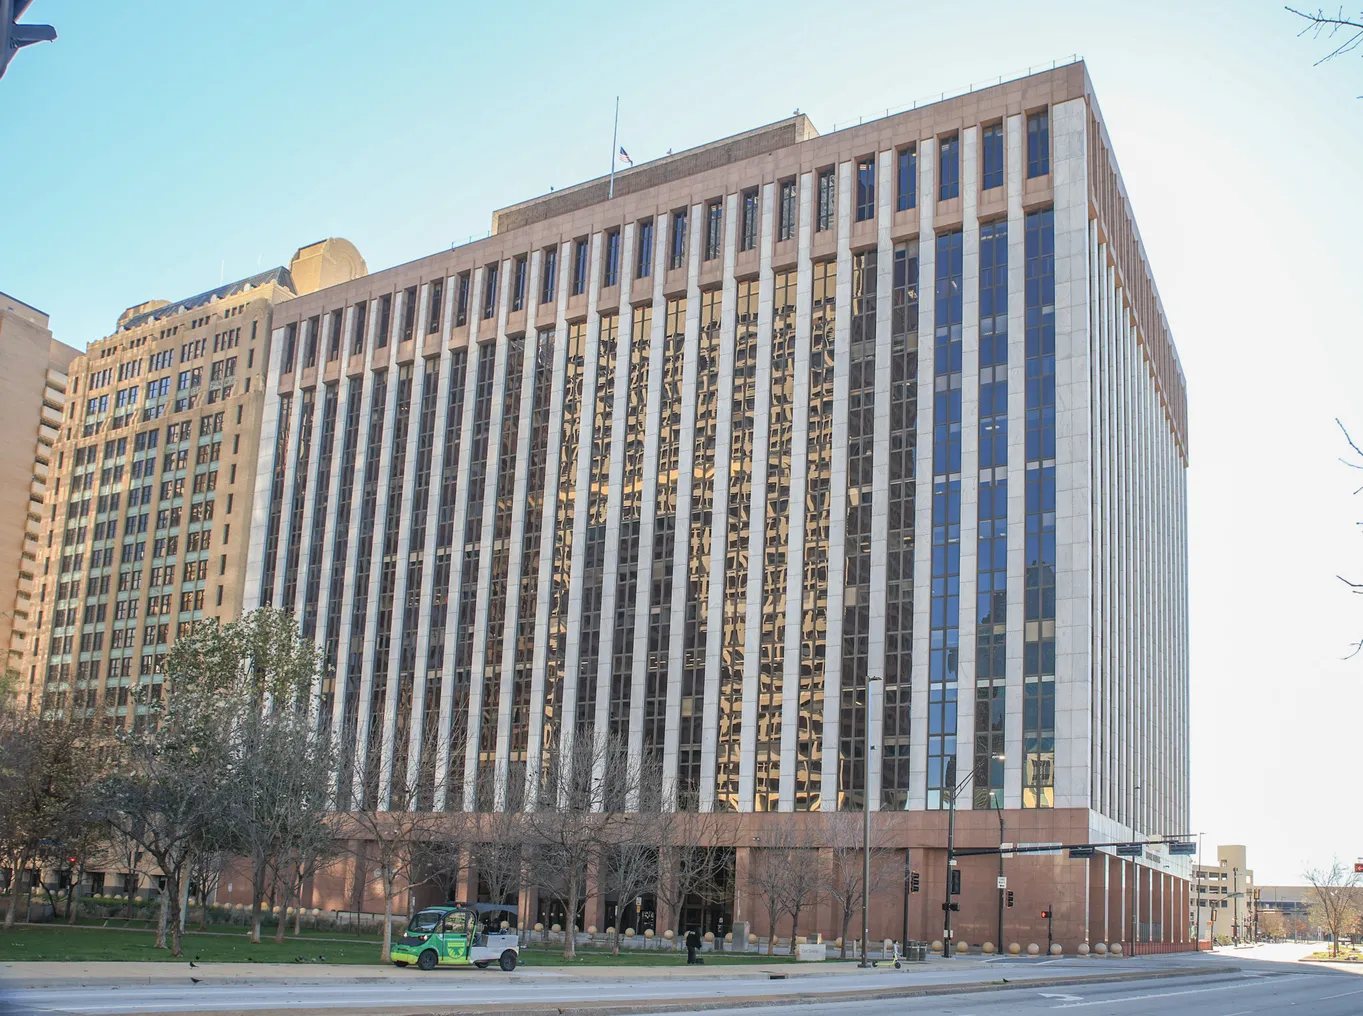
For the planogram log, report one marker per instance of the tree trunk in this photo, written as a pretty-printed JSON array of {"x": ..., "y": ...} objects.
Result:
[
  {"x": 298, "y": 909},
  {"x": 257, "y": 891},
  {"x": 74, "y": 907},
  {"x": 130, "y": 888},
  {"x": 15, "y": 881},
  {"x": 180, "y": 885},
  {"x": 794, "y": 930},
  {"x": 161, "y": 917},
  {"x": 182, "y": 896},
  {"x": 386, "y": 955},
  {"x": 771, "y": 933},
  {"x": 846, "y": 920},
  {"x": 570, "y": 925},
  {"x": 281, "y": 925}
]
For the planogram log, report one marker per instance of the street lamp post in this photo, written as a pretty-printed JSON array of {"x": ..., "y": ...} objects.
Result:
[
  {"x": 998, "y": 807},
  {"x": 955, "y": 788},
  {"x": 866, "y": 836}
]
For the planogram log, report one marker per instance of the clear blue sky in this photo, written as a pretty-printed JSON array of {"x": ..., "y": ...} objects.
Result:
[{"x": 157, "y": 144}]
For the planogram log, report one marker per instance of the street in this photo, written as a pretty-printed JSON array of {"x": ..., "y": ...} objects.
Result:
[{"x": 1261, "y": 980}]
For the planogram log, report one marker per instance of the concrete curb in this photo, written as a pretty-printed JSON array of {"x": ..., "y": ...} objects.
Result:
[{"x": 627, "y": 1008}]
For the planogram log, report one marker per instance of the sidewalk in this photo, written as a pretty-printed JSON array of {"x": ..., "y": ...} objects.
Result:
[{"x": 936, "y": 971}]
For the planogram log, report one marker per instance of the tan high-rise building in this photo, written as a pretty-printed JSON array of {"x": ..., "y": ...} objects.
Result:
[
  {"x": 33, "y": 382},
  {"x": 153, "y": 473},
  {"x": 702, "y": 457}
]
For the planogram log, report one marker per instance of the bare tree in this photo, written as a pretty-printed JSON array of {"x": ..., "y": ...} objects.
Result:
[
  {"x": 389, "y": 833},
  {"x": 580, "y": 811},
  {"x": 688, "y": 864},
  {"x": 845, "y": 869},
  {"x": 629, "y": 866},
  {"x": 205, "y": 874},
  {"x": 1335, "y": 899},
  {"x": 496, "y": 853},
  {"x": 1353, "y": 463},
  {"x": 766, "y": 882},
  {"x": 1343, "y": 32}
]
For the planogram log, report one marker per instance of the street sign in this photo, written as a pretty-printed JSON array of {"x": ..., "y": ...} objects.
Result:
[
  {"x": 1003, "y": 881},
  {"x": 1080, "y": 853},
  {"x": 1182, "y": 849},
  {"x": 1129, "y": 850}
]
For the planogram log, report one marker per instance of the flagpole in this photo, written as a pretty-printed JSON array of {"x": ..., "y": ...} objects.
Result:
[{"x": 615, "y": 137}]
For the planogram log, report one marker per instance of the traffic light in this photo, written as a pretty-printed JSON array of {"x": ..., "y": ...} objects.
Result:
[
  {"x": 14, "y": 36},
  {"x": 915, "y": 882},
  {"x": 955, "y": 881},
  {"x": 1010, "y": 897},
  {"x": 1045, "y": 913}
]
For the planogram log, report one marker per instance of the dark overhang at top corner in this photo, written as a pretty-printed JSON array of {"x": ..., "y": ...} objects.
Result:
[{"x": 279, "y": 276}]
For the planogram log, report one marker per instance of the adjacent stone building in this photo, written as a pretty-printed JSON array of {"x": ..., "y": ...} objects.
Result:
[
  {"x": 33, "y": 383},
  {"x": 151, "y": 485}
]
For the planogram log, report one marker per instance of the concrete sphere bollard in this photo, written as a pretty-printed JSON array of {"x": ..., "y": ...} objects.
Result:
[
  {"x": 505, "y": 925},
  {"x": 538, "y": 926},
  {"x": 1014, "y": 949},
  {"x": 1033, "y": 949},
  {"x": 752, "y": 938},
  {"x": 709, "y": 936},
  {"x": 555, "y": 928},
  {"x": 316, "y": 912},
  {"x": 987, "y": 948},
  {"x": 1115, "y": 949},
  {"x": 837, "y": 942},
  {"x": 648, "y": 933},
  {"x": 963, "y": 947},
  {"x": 609, "y": 931},
  {"x": 728, "y": 936},
  {"x": 936, "y": 945},
  {"x": 1083, "y": 949},
  {"x": 801, "y": 940},
  {"x": 591, "y": 929},
  {"x": 629, "y": 933},
  {"x": 274, "y": 910},
  {"x": 669, "y": 934},
  {"x": 1057, "y": 949},
  {"x": 1100, "y": 949}
]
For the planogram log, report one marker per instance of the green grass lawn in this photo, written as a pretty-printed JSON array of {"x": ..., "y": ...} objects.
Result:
[
  {"x": 58, "y": 942},
  {"x": 85, "y": 943},
  {"x": 601, "y": 957}
]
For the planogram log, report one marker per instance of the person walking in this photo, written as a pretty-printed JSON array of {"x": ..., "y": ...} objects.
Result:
[{"x": 692, "y": 946}]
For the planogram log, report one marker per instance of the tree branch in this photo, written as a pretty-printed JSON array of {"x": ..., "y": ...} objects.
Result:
[{"x": 1320, "y": 24}]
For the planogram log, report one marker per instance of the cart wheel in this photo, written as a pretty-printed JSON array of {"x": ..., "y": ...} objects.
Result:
[
  {"x": 428, "y": 960},
  {"x": 399, "y": 963},
  {"x": 896, "y": 964},
  {"x": 508, "y": 960},
  {"x": 482, "y": 964}
]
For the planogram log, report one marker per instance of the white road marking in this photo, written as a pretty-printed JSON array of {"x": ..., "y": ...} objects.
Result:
[
  {"x": 1169, "y": 994},
  {"x": 1062, "y": 997},
  {"x": 1342, "y": 995}
]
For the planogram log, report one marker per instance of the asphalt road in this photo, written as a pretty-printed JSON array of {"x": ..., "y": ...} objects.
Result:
[
  {"x": 1261, "y": 986},
  {"x": 1311, "y": 993}
]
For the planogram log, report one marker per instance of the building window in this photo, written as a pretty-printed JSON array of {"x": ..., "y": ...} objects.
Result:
[
  {"x": 385, "y": 320},
  {"x": 611, "y": 275},
  {"x": 748, "y": 232},
  {"x": 714, "y": 229},
  {"x": 992, "y": 143},
  {"x": 433, "y": 314},
  {"x": 906, "y": 164},
  {"x": 461, "y": 301},
  {"x": 550, "y": 279},
  {"x": 866, "y": 189},
  {"x": 678, "y": 255},
  {"x": 518, "y": 283},
  {"x": 290, "y": 342},
  {"x": 579, "y": 268},
  {"x": 356, "y": 340},
  {"x": 309, "y": 344},
  {"x": 949, "y": 169},
  {"x": 827, "y": 201},
  {"x": 489, "y": 291},
  {"x": 785, "y": 217},
  {"x": 1038, "y": 144},
  {"x": 644, "y": 268},
  {"x": 334, "y": 346},
  {"x": 408, "y": 313}
]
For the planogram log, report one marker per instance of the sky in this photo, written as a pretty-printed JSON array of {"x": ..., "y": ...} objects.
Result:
[{"x": 159, "y": 147}]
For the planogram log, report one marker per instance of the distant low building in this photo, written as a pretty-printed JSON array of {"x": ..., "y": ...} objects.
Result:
[{"x": 1224, "y": 897}]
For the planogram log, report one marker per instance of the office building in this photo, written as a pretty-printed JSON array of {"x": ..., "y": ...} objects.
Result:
[
  {"x": 152, "y": 475},
  {"x": 788, "y": 416},
  {"x": 1225, "y": 895},
  {"x": 33, "y": 381}
]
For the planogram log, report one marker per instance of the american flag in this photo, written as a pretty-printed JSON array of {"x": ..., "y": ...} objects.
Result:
[{"x": 624, "y": 156}]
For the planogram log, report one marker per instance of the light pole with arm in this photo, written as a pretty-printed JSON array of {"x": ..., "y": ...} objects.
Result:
[
  {"x": 866, "y": 836},
  {"x": 955, "y": 788}
]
